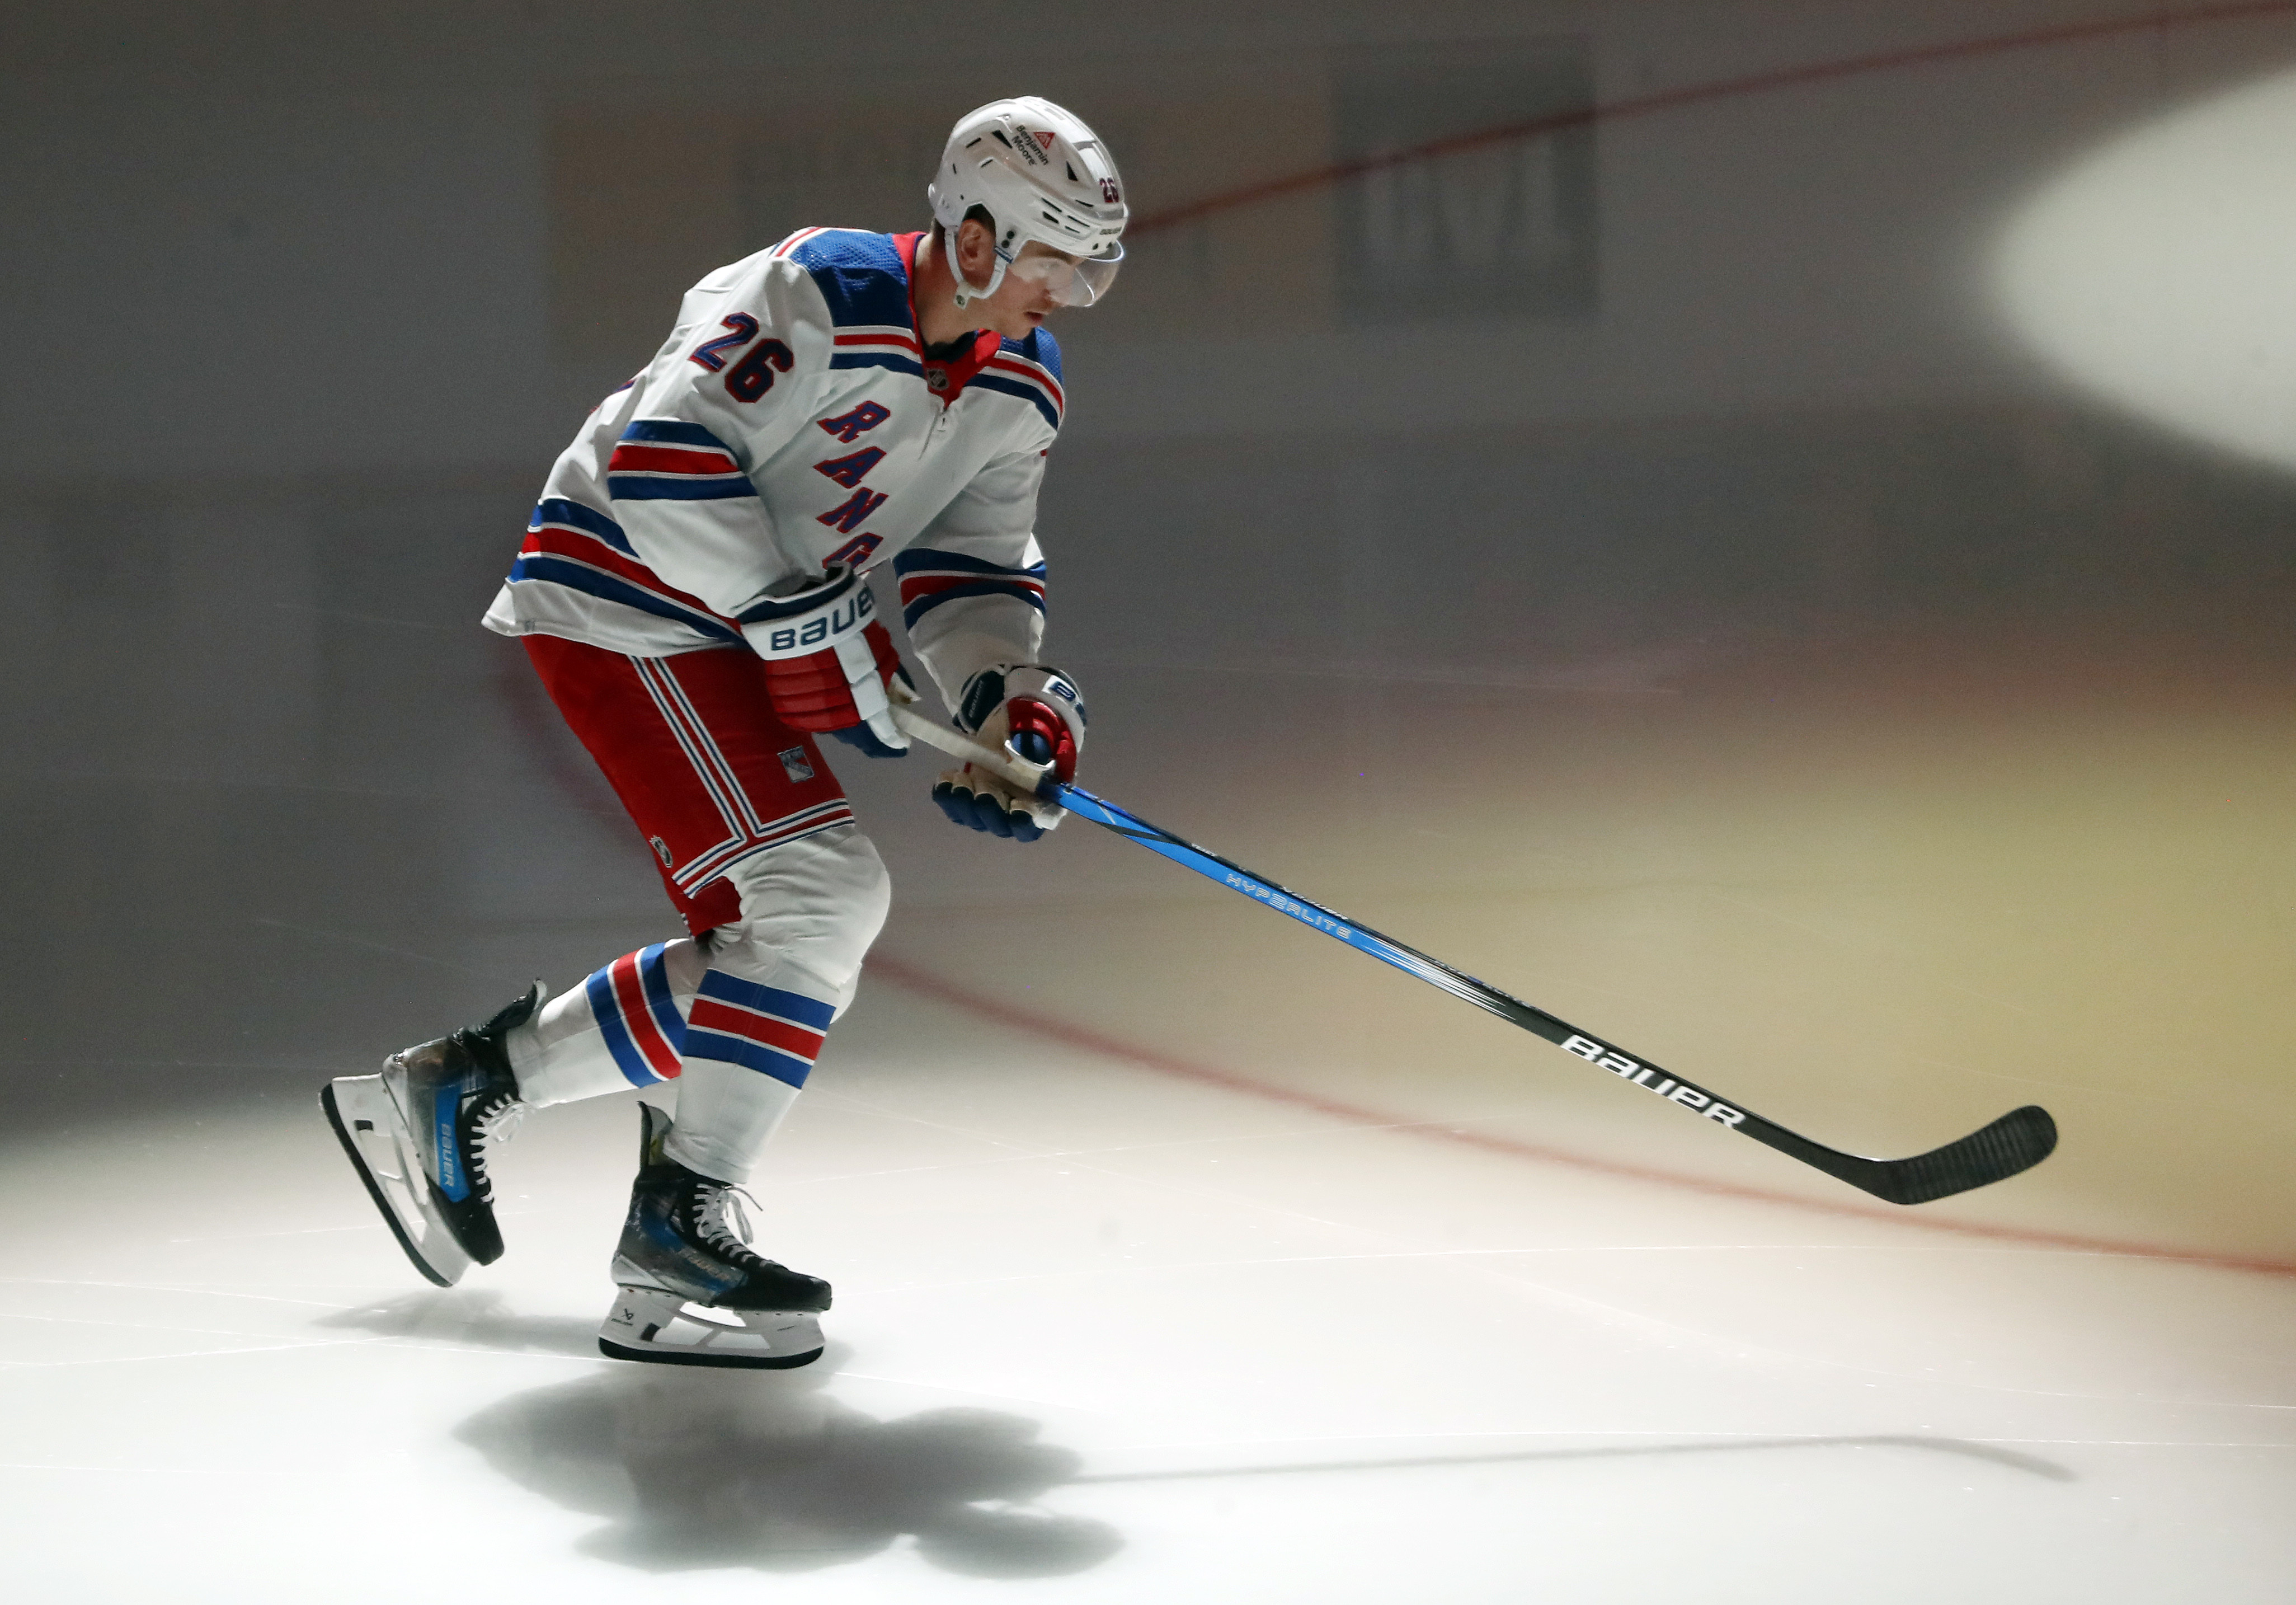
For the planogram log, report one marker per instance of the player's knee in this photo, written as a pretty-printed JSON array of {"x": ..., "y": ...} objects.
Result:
[
  {"x": 858, "y": 882},
  {"x": 815, "y": 904}
]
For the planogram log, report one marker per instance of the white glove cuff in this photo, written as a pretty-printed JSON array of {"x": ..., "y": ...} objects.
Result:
[
  {"x": 855, "y": 656},
  {"x": 806, "y": 621}
]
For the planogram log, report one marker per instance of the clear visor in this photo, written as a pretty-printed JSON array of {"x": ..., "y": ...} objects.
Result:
[{"x": 1072, "y": 284}]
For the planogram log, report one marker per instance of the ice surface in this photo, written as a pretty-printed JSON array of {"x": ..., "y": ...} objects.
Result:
[{"x": 1126, "y": 1337}]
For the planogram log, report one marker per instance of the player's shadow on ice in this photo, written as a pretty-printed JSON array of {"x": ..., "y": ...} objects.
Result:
[{"x": 695, "y": 1467}]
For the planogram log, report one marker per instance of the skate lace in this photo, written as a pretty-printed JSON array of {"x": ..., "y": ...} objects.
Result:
[
  {"x": 721, "y": 1221},
  {"x": 496, "y": 1122}
]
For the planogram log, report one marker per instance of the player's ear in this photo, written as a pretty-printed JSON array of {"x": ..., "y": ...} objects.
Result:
[{"x": 976, "y": 250}]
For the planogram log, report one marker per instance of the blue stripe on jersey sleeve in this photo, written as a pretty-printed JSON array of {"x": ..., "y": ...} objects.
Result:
[
  {"x": 956, "y": 562},
  {"x": 768, "y": 1000},
  {"x": 663, "y": 486},
  {"x": 673, "y": 432},
  {"x": 608, "y": 588},
  {"x": 923, "y": 606},
  {"x": 1026, "y": 392},
  {"x": 558, "y": 510}
]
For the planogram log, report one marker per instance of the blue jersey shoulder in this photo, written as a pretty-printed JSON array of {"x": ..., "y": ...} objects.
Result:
[
  {"x": 1040, "y": 347},
  {"x": 859, "y": 274}
]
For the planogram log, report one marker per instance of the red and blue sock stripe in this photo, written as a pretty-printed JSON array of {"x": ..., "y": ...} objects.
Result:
[
  {"x": 775, "y": 1032},
  {"x": 631, "y": 1001}
]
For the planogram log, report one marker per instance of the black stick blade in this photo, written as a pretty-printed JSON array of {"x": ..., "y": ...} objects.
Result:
[{"x": 2017, "y": 1141}]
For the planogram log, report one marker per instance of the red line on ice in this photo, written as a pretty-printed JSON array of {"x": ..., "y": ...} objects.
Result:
[{"x": 928, "y": 985}]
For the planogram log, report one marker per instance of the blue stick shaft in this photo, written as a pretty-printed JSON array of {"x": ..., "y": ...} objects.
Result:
[
  {"x": 1211, "y": 866},
  {"x": 2018, "y": 1140}
]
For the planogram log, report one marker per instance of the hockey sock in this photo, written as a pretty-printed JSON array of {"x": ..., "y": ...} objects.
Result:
[
  {"x": 748, "y": 1048},
  {"x": 622, "y": 1028},
  {"x": 776, "y": 979}
]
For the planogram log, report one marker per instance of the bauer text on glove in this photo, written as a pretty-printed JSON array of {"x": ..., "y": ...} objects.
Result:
[{"x": 828, "y": 663}]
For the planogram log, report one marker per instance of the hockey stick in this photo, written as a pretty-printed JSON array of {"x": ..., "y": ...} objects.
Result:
[{"x": 2017, "y": 1141}]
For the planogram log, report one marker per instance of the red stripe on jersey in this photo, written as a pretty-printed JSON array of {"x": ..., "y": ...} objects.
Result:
[
  {"x": 711, "y": 1014},
  {"x": 913, "y": 586},
  {"x": 1030, "y": 371},
  {"x": 630, "y": 458},
  {"x": 892, "y": 337},
  {"x": 637, "y": 1019}
]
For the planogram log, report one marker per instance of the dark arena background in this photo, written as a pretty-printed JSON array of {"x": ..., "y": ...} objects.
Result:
[{"x": 1769, "y": 530}]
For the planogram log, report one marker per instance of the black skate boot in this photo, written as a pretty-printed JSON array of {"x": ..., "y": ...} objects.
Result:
[
  {"x": 420, "y": 1133},
  {"x": 684, "y": 1246}
]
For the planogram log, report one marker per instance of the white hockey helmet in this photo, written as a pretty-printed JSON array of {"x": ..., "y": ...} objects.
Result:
[{"x": 1043, "y": 175}]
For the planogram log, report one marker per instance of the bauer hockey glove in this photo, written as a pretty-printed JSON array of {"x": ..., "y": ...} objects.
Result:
[
  {"x": 1037, "y": 713},
  {"x": 828, "y": 665}
]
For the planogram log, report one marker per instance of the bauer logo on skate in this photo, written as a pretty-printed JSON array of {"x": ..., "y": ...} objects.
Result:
[
  {"x": 1279, "y": 902},
  {"x": 1618, "y": 1064},
  {"x": 444, "y": 1106}
]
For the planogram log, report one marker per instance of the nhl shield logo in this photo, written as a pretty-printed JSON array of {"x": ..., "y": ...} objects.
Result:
[{"x": 936, "y": 380}]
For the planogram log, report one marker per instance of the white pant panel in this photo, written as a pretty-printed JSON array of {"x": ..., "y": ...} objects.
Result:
[{"x": 810, "y": 911}]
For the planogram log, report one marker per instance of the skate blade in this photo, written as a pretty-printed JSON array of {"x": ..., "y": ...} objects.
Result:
[
  {"x": 373, "y": 1134},
  {"x": 661, "y": 1328}
]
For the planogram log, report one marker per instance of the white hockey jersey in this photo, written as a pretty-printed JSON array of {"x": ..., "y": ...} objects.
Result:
[{"x": 792, "y": 422}]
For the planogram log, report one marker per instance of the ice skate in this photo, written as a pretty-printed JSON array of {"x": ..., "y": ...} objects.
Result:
[
  {"x": 419, "y": 1135},
  {"x": 690, "y": 1290}
]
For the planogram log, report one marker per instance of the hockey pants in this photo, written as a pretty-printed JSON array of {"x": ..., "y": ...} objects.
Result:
[{"x": 781, "y": 892}]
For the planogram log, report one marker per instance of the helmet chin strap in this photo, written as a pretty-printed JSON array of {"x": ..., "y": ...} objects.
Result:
[{"x": 965, "y": 293}]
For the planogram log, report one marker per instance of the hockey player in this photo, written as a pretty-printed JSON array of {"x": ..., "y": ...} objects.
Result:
[{"x": 694, "y": 593}]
